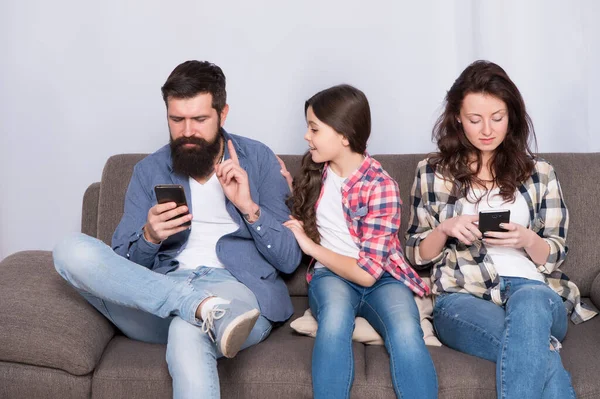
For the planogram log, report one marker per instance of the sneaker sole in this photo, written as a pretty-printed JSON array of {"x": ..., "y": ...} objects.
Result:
[{"x": 237, "y": 332}]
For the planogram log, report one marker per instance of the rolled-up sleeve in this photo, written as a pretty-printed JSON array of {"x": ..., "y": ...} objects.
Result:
[
  {"x": 128, "y": 240},
  {"x": 553, "y": 223},
  {"x": 379, "y": 225},
  {"x": 421, "y": 222}
]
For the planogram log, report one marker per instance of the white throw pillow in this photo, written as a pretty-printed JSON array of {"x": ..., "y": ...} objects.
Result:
[{"x": 363, "y": 332}]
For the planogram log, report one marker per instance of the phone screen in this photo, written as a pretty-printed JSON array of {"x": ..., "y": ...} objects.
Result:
[
  {"x": 171, "y": 193},
  {"x": 490, "y": 220}
]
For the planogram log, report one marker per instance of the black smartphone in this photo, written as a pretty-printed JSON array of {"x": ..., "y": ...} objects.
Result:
[
  {"x": 489, "y": 220},
  {"x": 171, "y": 193}
]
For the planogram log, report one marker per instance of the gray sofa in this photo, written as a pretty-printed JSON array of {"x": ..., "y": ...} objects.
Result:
[{"x": 54, "y": 345}]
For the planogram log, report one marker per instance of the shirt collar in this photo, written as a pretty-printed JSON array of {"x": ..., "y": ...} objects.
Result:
[{"x": 356, "y": 176}]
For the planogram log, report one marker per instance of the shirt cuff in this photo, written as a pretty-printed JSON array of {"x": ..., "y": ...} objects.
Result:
[
  {"x": 259, "y": 215},
  {"x": 145, "y": 245}
]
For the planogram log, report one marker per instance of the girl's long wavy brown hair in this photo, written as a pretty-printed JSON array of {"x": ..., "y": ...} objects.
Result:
[
  {"x": 345, "y": 109},
  {"x": 512, "y": 162}
]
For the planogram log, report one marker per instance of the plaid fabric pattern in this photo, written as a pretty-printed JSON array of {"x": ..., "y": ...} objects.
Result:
[
  {"x": 468, "y": 269},
  {"x": 371, "y": 203}
]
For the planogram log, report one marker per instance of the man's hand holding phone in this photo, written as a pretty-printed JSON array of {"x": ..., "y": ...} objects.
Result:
[
  {"x": 169, "y": 216},
  {"x": 164, "y": 220}
]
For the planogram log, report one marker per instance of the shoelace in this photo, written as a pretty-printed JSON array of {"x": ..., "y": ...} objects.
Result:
[{"x": 209, "y": 323}]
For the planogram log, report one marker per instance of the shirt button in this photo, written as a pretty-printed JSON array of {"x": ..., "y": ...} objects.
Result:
[
  {"x": 269, "y": 246},
  {"x": 258, "y": 228}
]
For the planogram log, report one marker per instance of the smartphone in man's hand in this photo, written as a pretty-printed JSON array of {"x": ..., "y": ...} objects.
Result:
[{"x": 171, "y": 193}]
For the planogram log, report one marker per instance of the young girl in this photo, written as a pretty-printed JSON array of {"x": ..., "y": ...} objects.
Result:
[
  {"x": 498, "y": 292},
  {"x": 346, "y": 214}
]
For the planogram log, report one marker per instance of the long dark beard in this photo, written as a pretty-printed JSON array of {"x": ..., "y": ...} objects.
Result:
[{"x": 197, "y": 161}]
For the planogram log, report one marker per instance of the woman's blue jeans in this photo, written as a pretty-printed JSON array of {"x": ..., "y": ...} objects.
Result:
[
  {"x": 389, "y": 307},
  {"x": 520, "y": 337}
]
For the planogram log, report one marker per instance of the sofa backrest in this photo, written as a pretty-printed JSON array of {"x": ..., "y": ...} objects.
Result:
[
  {"x": 115, "y": 180},
  {"x": 575, "y": 172}
]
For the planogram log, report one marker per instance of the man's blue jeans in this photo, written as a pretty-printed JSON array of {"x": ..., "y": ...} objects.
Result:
[
  {"x": 389, "y": 307},
  {"x": 157, "y": 308},
  {"x": 517, "y": 337}
]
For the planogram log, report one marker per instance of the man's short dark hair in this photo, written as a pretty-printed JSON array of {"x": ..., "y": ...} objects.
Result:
[{"x": 196, "y": 77}]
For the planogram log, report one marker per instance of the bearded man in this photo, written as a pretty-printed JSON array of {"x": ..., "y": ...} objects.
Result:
[{"x": 203, "y": 277}]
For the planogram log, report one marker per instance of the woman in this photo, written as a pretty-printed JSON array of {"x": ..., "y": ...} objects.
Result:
[
  {"x": 346, "y": 214},
  {"x": 498, "y": 293}
]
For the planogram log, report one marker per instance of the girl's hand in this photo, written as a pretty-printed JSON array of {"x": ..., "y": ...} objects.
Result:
[
  {"x": 517, "y": 236},
  {"x": 297, "y": 227},
  {"x": 462, "y": 227},
  {"x": 285, "y": 173}
]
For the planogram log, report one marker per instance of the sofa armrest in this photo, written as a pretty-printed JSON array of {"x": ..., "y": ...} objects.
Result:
[
  {"x": 89, "y": 211},
  {"x": 44, "y": 321},
  {"x": 595, "y": 292}
]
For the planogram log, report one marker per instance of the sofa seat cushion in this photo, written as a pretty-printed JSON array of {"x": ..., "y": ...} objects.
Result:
[
  {"x": 281, "y": 367},
  {"x": 44, "y": 321},
  {"x": 278, "y": 367},
  {"x": 580, "y": 354},
  {"x": 26, "y": 381},
  {"x": 460, "y": 376},
  {"x": 132, "y": 369}
]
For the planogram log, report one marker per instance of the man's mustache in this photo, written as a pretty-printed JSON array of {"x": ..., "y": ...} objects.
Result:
[{"x": 180, "y": 142}]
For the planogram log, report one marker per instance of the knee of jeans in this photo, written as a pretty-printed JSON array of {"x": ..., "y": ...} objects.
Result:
[
  {"x": 73, "y": 254},
  {"x": 185, "y": 343},
  {"x": 408, "y": 331},
  {"x": 535, "y": 297},
  {"x": 335, "y": 321},
  {"x": 235, "y": 290}
]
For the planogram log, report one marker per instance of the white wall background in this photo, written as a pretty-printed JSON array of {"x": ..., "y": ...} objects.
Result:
[{"x": 80, "y": 81}]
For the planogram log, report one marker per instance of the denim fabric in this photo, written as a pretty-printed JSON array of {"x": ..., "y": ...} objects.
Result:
[
  {"x": 522, "y": 337},
  {"x": 389, "y": 306},
  {"x": 157, "y": 308}
]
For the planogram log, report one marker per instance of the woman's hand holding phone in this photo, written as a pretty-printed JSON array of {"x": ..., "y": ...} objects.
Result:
[
  {"x": 515, "y": 236},
  {"x": 462, "y": 227}
]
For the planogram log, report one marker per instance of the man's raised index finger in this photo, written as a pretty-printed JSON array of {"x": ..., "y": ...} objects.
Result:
[{"x": 232, "y": 153}]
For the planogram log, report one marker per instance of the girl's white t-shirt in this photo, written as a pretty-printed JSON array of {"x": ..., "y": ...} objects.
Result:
[{"x": 331, "y": 222}]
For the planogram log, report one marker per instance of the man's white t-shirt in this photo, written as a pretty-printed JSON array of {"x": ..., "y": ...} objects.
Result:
[{"x": 210, "y": 221}]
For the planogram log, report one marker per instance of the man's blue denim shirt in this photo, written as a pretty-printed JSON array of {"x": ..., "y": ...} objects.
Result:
[{"x": 254, "y": 254}]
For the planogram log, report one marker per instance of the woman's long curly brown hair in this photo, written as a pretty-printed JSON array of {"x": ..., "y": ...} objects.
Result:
[
  {"x": 512, "y": 162},
  {"x": 345, "y": 109}
]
